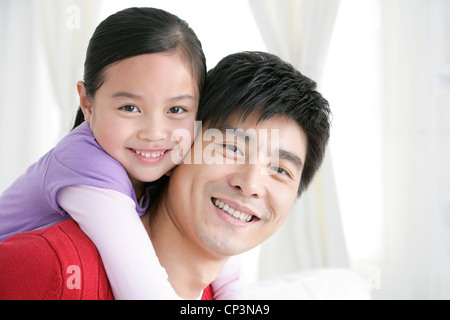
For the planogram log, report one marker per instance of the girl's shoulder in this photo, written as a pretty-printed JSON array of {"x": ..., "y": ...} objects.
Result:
[
  {"x": 80, "y": 142},
  {"x": 79, "y": 159},
  {"x": 80, "y": 151}
]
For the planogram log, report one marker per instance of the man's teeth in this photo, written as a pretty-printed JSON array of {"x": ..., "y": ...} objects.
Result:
[
  {"x": 150, "y": 155},
  {"x": 232, "y": 212}
]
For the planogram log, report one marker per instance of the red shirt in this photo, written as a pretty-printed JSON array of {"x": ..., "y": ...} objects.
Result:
[{"x": 56, "y": 263}]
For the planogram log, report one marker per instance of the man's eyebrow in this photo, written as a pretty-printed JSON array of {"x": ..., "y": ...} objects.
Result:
[
  {"x": 291, "y": 157},
  {"x": 240, "y": 133},
  {"x": 280, "y": 153}
]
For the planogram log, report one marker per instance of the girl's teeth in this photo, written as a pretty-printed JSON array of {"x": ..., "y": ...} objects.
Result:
[
  {"x": 149, "y": 155},
  {"x": 231, "y": 211}
]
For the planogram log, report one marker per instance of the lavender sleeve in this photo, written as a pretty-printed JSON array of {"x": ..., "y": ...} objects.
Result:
[
  {"x": 30, "y": 202},
  {"x": 79, "y": 160}
]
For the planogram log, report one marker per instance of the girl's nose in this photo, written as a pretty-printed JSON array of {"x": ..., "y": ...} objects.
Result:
[{"x": 152, "y": 128}]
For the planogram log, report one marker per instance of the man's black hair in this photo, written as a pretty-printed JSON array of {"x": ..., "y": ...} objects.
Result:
[{"x": 248, "y": 82}]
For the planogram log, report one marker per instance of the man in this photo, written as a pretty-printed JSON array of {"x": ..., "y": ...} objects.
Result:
[{"x": 265, "y": 129}]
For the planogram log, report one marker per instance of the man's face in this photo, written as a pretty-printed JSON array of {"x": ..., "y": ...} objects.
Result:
[{"x": 244, "y": 187}]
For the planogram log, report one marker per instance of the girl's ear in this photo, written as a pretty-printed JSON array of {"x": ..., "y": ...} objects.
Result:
[{"x": 85, "y": 101}]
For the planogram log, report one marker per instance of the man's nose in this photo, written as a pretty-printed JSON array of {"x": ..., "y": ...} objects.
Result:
[{"x": 250, "y": 180}]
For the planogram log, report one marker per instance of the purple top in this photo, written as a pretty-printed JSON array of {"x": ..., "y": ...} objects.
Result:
[{"x": 30, "y": 202}]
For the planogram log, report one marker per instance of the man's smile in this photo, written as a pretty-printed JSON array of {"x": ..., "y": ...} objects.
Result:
[{"x": 231, "y": 211}]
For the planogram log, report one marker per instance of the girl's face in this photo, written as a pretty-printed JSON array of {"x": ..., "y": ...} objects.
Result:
[{"x": 135, "y": 114}]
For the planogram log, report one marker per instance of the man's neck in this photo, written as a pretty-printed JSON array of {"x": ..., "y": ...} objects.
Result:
[{"x": 189, "y": 267}]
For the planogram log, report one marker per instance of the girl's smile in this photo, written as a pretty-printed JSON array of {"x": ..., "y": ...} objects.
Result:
[{"x": 150, "y": 156}]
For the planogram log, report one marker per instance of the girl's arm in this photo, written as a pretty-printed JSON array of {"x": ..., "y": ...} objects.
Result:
[
  {"x": 110, "y": 220},
  {"x": 230, "y": 283}
]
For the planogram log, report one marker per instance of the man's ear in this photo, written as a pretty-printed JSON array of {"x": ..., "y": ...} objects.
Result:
[{"x": 85, "y": 101}]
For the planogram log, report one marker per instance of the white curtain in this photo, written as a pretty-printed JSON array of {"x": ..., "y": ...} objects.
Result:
[
  {"x": 299, "y": 31},
  {"x": 415, "y": 80},
  {"x": 43, "y": 45},
  {"x": 67, "y": 26}
]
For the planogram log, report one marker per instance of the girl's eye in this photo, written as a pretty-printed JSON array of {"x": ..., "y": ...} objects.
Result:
[
  {"x": 130, "y": 108},
  {"x": 176, "y": 110}
]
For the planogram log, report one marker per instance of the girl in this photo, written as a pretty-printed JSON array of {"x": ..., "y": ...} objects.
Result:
[{"x": 144, "y": 72}]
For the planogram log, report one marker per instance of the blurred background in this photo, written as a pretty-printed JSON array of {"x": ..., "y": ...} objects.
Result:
[{"x": 380, "y": 204}]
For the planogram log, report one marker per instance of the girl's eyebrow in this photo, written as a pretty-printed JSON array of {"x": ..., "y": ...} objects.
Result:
[
  {"x": 182, "y": 97},
  {"x": 127, "y": 94}
]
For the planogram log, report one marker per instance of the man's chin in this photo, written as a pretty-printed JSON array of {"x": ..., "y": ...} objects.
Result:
[{"x": 227, "y": 249}]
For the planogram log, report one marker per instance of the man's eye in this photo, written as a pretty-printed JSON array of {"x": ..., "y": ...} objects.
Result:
[
  {"x": 176, "y": 110},
  {"x": 233, "y": 148},
  {"x": 281, "y": 171},
  {"x": 130, "y": 108}
]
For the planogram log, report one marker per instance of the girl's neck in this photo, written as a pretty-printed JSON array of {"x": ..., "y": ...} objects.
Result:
[{"x": 139, "y": 188}]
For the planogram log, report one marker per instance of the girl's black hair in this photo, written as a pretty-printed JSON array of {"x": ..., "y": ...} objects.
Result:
[
  {"x": 136, "y": 31},
  {"x": 246, "y": 82}
]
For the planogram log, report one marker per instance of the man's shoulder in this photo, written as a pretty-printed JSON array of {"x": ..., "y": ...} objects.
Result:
[
  {"x": 62, "y": 239},
  {"x": 58, "y": 262}
]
